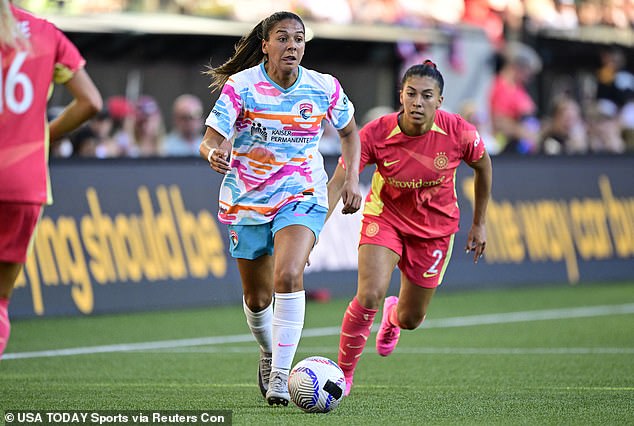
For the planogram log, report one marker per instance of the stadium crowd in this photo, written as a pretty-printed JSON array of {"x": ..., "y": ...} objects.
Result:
[{"x": 597, "y": 119}]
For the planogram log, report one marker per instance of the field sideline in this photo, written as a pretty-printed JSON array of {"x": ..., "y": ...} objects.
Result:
[{"x": 544, "y": 355}]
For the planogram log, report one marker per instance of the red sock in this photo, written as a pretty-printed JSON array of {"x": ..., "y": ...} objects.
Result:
[
  {"x": 355, "y": 330},
  {"x": 5, "y": 326}
]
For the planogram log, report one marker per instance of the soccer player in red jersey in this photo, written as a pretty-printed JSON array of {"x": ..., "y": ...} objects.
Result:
[
  {"x": 411, "y": 211},
  {"x": 34, "y": 54}
]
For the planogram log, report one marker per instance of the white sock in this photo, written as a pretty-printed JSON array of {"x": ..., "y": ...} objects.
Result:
[
  {"x": 288, "y": 321},
  {"x": 261, "y": 325}
]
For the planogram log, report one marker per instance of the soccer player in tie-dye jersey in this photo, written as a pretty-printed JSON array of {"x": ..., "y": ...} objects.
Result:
[
  {"x": 34, "y": 54},
  {"x": 263, "y": 134},
  {"x": 411, "y": 212}
]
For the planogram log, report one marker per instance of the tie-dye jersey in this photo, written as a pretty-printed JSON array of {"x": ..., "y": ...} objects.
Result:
[{"x": 275, "y": 157}]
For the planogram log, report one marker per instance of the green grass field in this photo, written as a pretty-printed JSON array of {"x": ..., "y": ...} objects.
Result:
[{"x": 562, "y": 355}]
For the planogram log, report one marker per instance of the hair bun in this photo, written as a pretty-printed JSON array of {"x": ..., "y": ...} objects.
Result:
[{"x": 427, "y": 62}]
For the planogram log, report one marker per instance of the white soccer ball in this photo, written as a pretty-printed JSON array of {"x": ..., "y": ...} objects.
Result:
[{"x": 316, "y": 384}]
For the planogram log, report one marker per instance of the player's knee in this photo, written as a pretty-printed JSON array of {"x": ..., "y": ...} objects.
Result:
[
  {"x": 370, "y": 299},
  {"x": 288, "y": 280},
  {"x": 410, "y": 321},
  {"x": 258, "y": 302}
]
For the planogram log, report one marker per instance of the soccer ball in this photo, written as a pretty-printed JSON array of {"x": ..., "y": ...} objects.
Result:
[{"x": 316, "y": 384}]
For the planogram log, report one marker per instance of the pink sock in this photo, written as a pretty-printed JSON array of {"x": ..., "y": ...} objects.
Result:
[
  {"x": 355, "y": 330},
  {"x": 5, "y": 326}
]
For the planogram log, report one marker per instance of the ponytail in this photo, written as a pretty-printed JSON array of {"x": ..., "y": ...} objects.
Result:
[{"x": 248, "y": 53}]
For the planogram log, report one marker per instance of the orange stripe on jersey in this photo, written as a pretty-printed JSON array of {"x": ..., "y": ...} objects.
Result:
[
  {"x": 291, "y": 120},
  {"x": 263, "y": 210},
  {"x": 263, "y": 156}
]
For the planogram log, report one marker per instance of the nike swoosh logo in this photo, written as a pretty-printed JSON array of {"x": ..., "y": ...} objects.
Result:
[
  {"x": 390, "y": 163},
  {"x": 429, "y": 275},
  {"x": 285, "y": 345}
]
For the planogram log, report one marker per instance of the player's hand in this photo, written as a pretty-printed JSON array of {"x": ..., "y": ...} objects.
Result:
[
  {"x": 219, "y": 159},
  {"x": 351, "y": 197},
  {"x": 476, "y": 242}
]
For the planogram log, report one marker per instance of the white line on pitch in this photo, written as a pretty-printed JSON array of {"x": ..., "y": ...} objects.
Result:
[{"x": 466, "y": 321}]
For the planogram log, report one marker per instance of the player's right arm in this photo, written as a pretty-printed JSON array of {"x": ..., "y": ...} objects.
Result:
[{"x": 215, "y": 149}]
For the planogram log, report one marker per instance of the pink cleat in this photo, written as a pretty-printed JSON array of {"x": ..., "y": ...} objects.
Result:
[
  {"x": 348, "y": 386},
  {"x": 387, "y": 337}
]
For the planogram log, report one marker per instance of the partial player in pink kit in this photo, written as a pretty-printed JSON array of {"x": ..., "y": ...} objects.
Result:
[
  {"x": 34, "y": 55},
  {"x": 411, "y": 212}
]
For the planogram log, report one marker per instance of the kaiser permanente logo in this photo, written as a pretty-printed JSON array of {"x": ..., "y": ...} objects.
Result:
[{"x": 168, "y": 243}]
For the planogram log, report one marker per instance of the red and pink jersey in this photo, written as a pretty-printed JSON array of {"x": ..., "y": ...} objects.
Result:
[
  {"x": 413, "y": 186},
  {"x": 25, "y": 86}
]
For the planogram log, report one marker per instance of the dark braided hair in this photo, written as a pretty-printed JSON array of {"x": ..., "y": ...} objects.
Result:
[
  {"x": 248, "y": 51},
  {"x": 426, "y": 69}
]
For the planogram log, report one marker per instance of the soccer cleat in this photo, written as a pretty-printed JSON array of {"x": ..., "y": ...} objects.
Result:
[
  {"x": 387, "y": 337},
  {"x": 264, "y": 371},
  {"x": 278, "y": 389},
  {"x": 348, "y": 386}
]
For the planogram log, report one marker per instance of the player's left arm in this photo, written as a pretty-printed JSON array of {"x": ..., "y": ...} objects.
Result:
[
  {"x": 86, "y": 103},
  {"x": 351, "y": 152},
  {"x": 476, "y": 239}
]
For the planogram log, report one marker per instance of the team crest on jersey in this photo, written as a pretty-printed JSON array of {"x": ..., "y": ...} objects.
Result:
[
  {"x": 372, "y": 229},
  {"x": 441, "y": 161},
  {"x": 233, "y": 235},
  {"x": 306, "y": 110},
  {"x": 258, "y": 130}
]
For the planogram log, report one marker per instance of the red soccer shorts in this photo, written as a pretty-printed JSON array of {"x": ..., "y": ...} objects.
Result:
[
  {"x": 17, "y": 223},
  {"x": 423, "y": 261}
]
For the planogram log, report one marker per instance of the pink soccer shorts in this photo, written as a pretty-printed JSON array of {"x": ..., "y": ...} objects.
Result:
[
  {"x": 423, "y": 261},
  {"x": 17, "y": 223}
]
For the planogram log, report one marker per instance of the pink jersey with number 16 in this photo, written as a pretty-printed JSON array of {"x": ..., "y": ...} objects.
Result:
[{"x": 25, "y": 85}]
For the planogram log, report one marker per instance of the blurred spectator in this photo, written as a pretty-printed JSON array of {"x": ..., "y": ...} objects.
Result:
[
  {"x": 627, "y": 125},
  {"x": 187, "y": 127},
  {"x": 376, "y": 11},
  {"x": 63, "y": 147},
  {"x": 614, "y": 14},
  {"x": 480, "y": 119},
  {"x": 564, "y": 131},
  {"x": 604, "y": 129},
  {"x": 149, "y": 130},
  {"x": 85, "y": 142},
  {"x": 513, "y": 111},
  {"x": 589, "y": 12},
  {"x": 122, "y": 113},
  {"x": 479, "y": 13},
  {"x": 567, "y": 15},
  {"x": 614, "y": 82},
  {"x": 334, "y": 11}
]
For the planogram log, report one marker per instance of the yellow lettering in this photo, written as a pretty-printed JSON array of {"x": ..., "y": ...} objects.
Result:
[
  {"x": 72, "y": 264},
  {"x": 154, "y": 267},
  {"x": 212, "y": 244},
  {"x": 590, "y": 229},
  {"x": 621, "y": 221},
  {"x": 96, "y": 230},
  {"x": 168, "y": 237}
]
